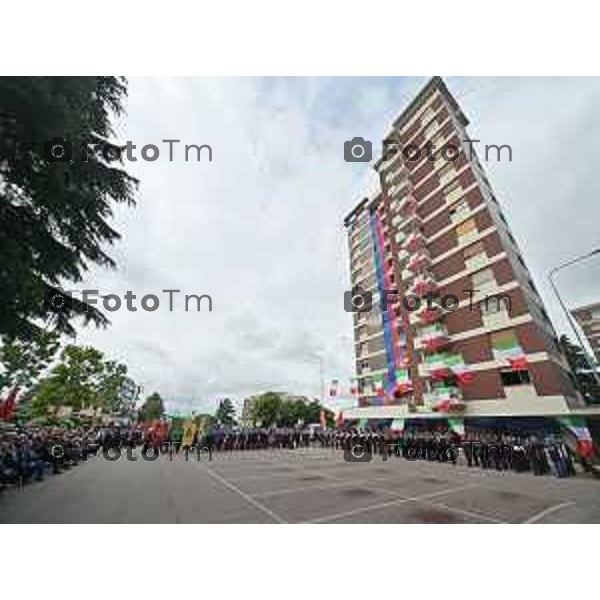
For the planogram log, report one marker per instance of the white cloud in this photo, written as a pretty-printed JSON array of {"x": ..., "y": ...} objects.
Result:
[{"x": 260, "y": 228}]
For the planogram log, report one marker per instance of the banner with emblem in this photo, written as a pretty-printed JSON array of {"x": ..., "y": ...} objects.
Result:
[{"x": 189, "y": 432}]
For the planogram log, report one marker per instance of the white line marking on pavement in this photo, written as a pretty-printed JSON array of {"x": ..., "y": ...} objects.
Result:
[
  {"x": 462, "y": 511},
  {"x": 468, "y": 513},
  {"x": 245, "y": 496},
  {"x": 322, "y": 486},
  {"x": 355, "y": 511},
  {"x": 547, "y": 511}
]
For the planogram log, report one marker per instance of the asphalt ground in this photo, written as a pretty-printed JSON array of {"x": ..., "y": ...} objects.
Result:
[{"x": 297, "y": 486}]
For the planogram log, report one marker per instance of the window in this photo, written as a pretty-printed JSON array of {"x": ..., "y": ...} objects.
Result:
[
  {"x": 482, "y": 278},
  {"x": 504, "y": 340},
  {"x": 461, "y": 208},
  {"x": 446, "y": 170},
  {"x": 467, "y": 227},
  {"x": 491, "y": 306},
  {"x": 474, "y": 250},
  {"x": 520, "y": 377},
  {"x": 453, "y": 186},
  {"x": 427, "y": 115},
  {"x": 430, "y": 129}
]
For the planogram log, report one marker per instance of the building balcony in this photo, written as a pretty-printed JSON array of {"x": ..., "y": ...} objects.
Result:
[
  {"x": 454, "y": 195},
  {"x": 408, "y": 205},
  {"x": 477, "y": 262},
  {"x": 423, "y": 284},
  {"x": 445, "y": 399},
  {"x": 419, "y": 261},
  {"x": 432, "y": 338},
  {"x": 415, "y": 241}
]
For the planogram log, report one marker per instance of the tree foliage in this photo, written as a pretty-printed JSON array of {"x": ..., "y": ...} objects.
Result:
[
  {"x": 82, "y": 379},
  {"x": 152, "y": 409},
  {"x": 585, "y": 380},
  {"x": 277, "y": 409},
  {"x": 54, "y": 216},
  {"x": 225, "y": 413},
  {"x": 22, "y": 362}
]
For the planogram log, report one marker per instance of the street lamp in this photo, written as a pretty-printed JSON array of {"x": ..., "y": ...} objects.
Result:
[{"x": 551, "y": 276}]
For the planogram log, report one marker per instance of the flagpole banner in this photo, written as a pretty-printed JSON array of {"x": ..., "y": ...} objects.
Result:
[
  {"x": 577, "y": 426},
  {"x": 397, "y": 425},
  {"x": 457, "y": 425},
  {"x": 334, "y": 388},
  {"x": 189, "y": 432}
]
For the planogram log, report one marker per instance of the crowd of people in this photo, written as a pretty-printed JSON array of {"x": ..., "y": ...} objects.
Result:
[
  {"x": 540, "y": 453},
  {"x": 31, "y": 453}
]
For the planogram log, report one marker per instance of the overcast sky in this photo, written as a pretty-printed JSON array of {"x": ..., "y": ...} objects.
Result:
[{"x": 260, "y": 227}]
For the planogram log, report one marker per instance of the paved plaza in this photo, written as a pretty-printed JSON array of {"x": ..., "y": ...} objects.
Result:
[{"x": 301, "y": 486}]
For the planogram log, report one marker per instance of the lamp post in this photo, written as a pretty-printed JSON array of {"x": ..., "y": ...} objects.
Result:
[
  {"x": 319, "y": 358},
  {"x": 551, "y": 276}
]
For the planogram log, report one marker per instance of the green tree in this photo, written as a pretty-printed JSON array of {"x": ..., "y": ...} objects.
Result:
[
  {"x": 110, "y": 385},
  {"x": 584, "y": 379},
  {"x": 54, "y": 216},
  {"x": 152, "y": 409},
  {"x": 225, "y": 413},
  {"x": 76, "y": 381},
  {"x": 23, "y": 361},
  {"x": 266, "y": 409}
]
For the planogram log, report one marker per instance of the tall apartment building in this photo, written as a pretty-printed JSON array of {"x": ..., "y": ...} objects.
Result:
[
  {"x": 481, "y": 342},
  {"x": 588, "y": 318}
]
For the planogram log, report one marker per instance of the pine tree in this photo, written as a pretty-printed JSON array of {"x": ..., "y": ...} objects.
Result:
[{"x": 54, "y": 216}]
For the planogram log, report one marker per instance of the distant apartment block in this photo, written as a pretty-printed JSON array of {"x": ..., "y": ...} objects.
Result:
[{"x": 588, "y": 318}]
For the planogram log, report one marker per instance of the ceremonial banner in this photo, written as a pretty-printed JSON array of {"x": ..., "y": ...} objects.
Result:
[
  {"x": 397, "y": 425},
  {"x": 457, "y": 425},
  {"x": 333, "y": 390},
  {"x": 8, "y": 406},
  {"x": 577, "y": 426},
  {"x": 322, "y": 420},
  {"x": 189, "y": 432}
]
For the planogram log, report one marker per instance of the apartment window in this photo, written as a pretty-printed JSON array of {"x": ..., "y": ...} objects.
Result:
[
  {"x": 510, "y": 377},
  {"x": 427, "y": 115},
  {"x": 492, "y": 306},
  {"x": 430, "y": 129},
  {"x": 474, "y": 250},
  {"x": 467, "y": 227},
  {"x": 504, "y": 340},
  {"x": 446, "y": 170},
  {"x": 483, "y": 278},
  {"x": 450, "y": 188},
  {"x": 461, "y": 208}
]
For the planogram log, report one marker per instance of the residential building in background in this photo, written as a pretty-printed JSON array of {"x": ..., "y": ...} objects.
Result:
[
  {"x": 481, "y": 343},
  {"x": 588, "y": 318}
]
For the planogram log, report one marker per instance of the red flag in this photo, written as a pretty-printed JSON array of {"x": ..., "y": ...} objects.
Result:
[
  {"x": 322, "y": 420},
  {"x": 9, "y": 404},
  {"x": 464, "y": 377},
  {"x": 518, "y": 363}
]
